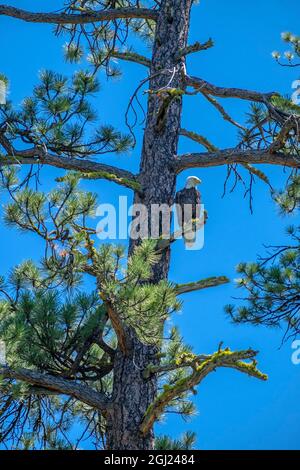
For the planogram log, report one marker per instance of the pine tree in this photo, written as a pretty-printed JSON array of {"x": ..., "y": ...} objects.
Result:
[{"x": 102, "y": 358}]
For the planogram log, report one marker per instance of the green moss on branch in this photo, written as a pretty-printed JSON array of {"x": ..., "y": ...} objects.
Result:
[
  {"x": 201, "y": 367},
  {"x": 129, "y": 183},
  {"x": 202, "y": 284}
]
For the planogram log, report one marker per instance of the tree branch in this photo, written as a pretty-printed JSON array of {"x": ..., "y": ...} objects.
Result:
[
  {"x": 196, "y": 47},
  {"x": 189, "y": 227},
  {"x": 82, "y": 18},
  {"x": 284, "y": 134},
  {"x": 117, "y": 324},
  {"x": 222, "y": 111},
  {"x": 87, "y": 168},
  {"x": 201, "y": 368},
  {"x": 205, "y": 87},
  {"x": 82, "y": 393},
  {"x": 132, "y": 57},
  {"x": 235, "y": 155},
  {"x": 200, "y": 139},
  {"x": 202, "y": 284}
]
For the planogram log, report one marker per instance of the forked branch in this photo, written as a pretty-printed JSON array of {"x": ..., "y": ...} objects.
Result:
[
  {"x": 235, "y": 155},
  {"x": 201, "y": 367},
  {"x": 205, "y": 87}
]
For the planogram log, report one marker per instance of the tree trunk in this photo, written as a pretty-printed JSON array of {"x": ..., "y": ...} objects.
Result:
[{"x": 132, "y": 394}]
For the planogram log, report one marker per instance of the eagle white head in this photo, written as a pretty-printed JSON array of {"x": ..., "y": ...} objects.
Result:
[{"x": 192, "y": 182}]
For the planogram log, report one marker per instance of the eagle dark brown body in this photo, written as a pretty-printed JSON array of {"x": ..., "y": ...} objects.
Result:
[{"x": 188, "y": 202}]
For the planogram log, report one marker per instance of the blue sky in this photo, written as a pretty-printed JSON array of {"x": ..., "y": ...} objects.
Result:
[{"x": 234, "y": 411}]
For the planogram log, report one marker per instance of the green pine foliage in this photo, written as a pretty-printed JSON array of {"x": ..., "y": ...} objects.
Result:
[
  {"x": 107, "y": 38},
  {"x": 59, "y": 118},
  {"x": 42, "y": 331},
  {"x": 186, "y": 442},
  {"x": 60, "y": 218},
  {"x": 265, "y": 125},
  {"x": 175, "y": 349},
  {"x": 288, "y": 200},
  {"x": 293, "y": 42}
]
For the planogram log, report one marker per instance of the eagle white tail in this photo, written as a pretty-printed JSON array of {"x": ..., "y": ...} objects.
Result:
[
  {"x": 189, "y": 241},
  {"x": 190, "y": 235}
]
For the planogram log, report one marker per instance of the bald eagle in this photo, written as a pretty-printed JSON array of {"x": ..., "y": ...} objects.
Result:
[{"x": 188, "y": 202}]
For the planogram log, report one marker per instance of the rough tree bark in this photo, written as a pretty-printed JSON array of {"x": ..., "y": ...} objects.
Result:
[{"x": 133, "y": 393}]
